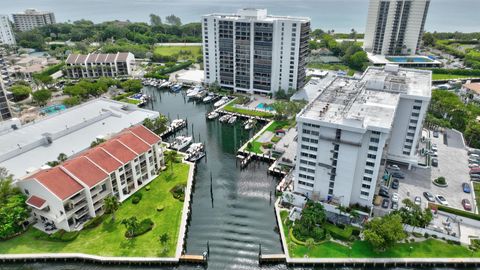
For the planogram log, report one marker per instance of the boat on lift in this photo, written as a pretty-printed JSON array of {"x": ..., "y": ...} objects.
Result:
[
  {"x": 181, "y": 142},
  {"x": 212, "y": 115},
  {"x": 195, "y": 152},
  {"x": 176, "y": 87},
  {"x": 221, "y": 102},
  {"x": 225, "y": 118},
  {"x": 250, "y": 123},
  {"x": 209, "y": 98},
  {"x": 232, "y": 120}
]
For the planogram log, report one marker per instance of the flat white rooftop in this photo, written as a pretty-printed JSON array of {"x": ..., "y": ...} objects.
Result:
[
  {"x": 70, "y": 131},
  {"x": 411, "y": 60},
  {"x": 370, "y": 101},
  {"x": 256, "y": 14}
]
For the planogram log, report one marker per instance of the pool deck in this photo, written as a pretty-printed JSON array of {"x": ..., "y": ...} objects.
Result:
[{"x": 380, "y": 60}]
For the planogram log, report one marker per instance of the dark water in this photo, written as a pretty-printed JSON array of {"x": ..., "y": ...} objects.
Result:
[{"x": 341, "y": 15}]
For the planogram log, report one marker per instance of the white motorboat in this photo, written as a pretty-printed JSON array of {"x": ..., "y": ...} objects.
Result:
[
  {"x": 209, "y": 97},
  {"x": 201, "y": 94},
  {"x": 165, "y": 84},
  {"x": 225, "y": 118},
  {"x": 212, "y": 115},
  {"x": 250, "y": 123},
  {"x": 232, "y": 120},
  {"x": 194, "y": 157},
  {"x": 177, "y": 123},
  {"x": 181, "y": 142},
  {"x": 194, "y": 147},
  {"x": 221, "y": 102}
]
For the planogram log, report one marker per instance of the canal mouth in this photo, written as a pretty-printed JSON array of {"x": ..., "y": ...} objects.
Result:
[{"x": 232, "y": 208}]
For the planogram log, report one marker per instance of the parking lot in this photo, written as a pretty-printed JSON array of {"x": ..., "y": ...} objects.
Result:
[{"x": 452, "y": 164}]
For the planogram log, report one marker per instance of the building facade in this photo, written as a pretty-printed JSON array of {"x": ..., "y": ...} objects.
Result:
[
  {"x": 6, "y": 33},
  {"x": 395, "y": 27},
  {"x": 251, "y": 51},
  {"x": 99, "y": 65},
  {"x": 31, "y": 18},
  {"x": 69, "y": 194},
  {"x": 353, "y": 126},
  {"x": 5, "y": 111}
]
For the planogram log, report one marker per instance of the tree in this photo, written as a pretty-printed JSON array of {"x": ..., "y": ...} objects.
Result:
[
  {"x": 310, "y": 224},
  {"x": 428, "y": 39},
  {"x": 173, "y": 20},
  {"x": 13, "y": 210},
  {"x": 42, "y": 96},
  {"x": 132, "y": 86},
  {"x": 413, "y": 215},
  {"x": 155, "y": 20},
  {"x": 111, "y": 205},
  {"x": 357, "y": 60},
  {"x": 6, "y": 187},
  {"x": 171, "y": 157},
  {"x": 164, "y": 238},
  {"x": 76, "y": 91},
  {"x": 20, "y": 92},
  {"x": 384, "y": 232},
  {"x": 62, "y": 157},
  {"x": 131, "y": 224},
  {"x": 71, "y": 101},
  {"x": 310, "y": 243}
]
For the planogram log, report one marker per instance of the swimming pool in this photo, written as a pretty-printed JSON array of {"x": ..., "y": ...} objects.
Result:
[
  {"x": 263, "y": 106},
  {"x": 54, "y": 109},
  {"x": 408, "y": 59}
]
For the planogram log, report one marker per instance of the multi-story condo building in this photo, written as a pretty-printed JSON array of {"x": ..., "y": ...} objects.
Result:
[
  {"x": 347, "y": 132},
  {"x": 69, "y": 194},
  {"x": 99, "y": 65},
  {"x": 254, "y": 52},
  {"x": 6, "y": 32},
  {"x": 32, "y": 18},
  {"x": 5, "y": 112},
  {"x": 395, "y": 27}
]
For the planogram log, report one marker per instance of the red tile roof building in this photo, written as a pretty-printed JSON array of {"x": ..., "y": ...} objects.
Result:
[{"x": 68, "y": 194}]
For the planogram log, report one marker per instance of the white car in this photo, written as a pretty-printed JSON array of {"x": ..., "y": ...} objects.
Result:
[
  {"x": 395, "y": 197},
  {"x": 441, "y": 200},
  {"x": 473, "y": 165},
  {"x": 434, "y": 148},
  {"x": 393, "y": 167}
]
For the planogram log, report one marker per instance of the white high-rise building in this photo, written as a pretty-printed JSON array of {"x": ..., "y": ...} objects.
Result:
[
  {"x": 346, "y": 132},
  {"x": 6, "y": 32},
  {"x": 254, "y": 52},
  {"x": 32, "y": 18},
  {"x": 395, "y": 27}
]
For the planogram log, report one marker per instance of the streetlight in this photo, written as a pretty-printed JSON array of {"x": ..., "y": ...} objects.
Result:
[
  {"x": 410, "y": 252},
  {"x": 350, "y": 251}
]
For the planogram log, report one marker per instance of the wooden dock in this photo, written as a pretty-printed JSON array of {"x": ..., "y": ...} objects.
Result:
[
  {"x": 196, "y": 259},
  {"x": 272, "y": 258}
]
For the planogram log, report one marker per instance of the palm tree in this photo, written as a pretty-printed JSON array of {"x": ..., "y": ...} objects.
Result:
[
  {"x": 111, "y": 205},
  {"x": 310, "y": 243},
  {"x": 131, "y": 224},
  {"x": 171, "y": 157},
  {"x": 164, "y": 238}
]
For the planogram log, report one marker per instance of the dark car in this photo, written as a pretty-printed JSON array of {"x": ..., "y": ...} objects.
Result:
[
  {"x": 395, "y": 183},
  {"x": 385, "y": 203},
  {"x": 466, "y": 187},
  {"x": 398, "y": 175},
  {"x": 434, "y": 162},
  {"x": 465, "y": 203},
  {"x": 394, "y": 205},
  {"x": 428, "y": 196},
  {"x": 435, "y": 134},
  {"x": 384, "y": 193}
]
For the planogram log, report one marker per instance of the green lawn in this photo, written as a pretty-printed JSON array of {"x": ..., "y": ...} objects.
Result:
[
  {"x": 131, "y": 101},
  {"x": 182, "y": 52},
  {"x": 230, "y": 108},
  {"x": 335, "y": 67},
  {"x": 430, "y": 248},
  {"x": 438, "y": 77},
  {"x": 256, "y": 146},
  {"x": 108, "y": 239}
]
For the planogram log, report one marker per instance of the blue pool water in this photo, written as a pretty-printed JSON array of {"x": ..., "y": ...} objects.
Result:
[
  {"x": 264, "y": 106},
  {"x": 406, "y": 59},
  {"x": 54, "y": 109}
]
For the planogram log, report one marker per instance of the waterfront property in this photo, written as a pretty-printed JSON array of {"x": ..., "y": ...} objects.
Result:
[
  {"x": 65, "y": 196},
  {"x": 32, "y": 18},
  {"x": 395, "y": 27},
  {"x": 346, "y": 132},
  {"x": 253, "y": 52},
  {"x": 24, "y": 149},
  {"x": 108, "y": 239},
  {"x": 95, "y": 65}
]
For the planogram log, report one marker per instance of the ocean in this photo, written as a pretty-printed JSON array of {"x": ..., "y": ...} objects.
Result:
[{"x": 339, "y": 15}]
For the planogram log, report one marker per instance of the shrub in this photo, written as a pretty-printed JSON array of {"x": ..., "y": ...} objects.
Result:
[
  {"x": 143, "y": 227},
  {"x": 147, "y": 188},
  {"x": 136, "y": 198},
  {"x": 160, "y": 208},
  {"x": 426, "y": 235},
  {"x": 94, "y": 222},
  {"x": 416, "y": 234},
  {"x": 434, "y": 236},
  {"x": 62, "y": 236},
  {"x": 441, "y": 180},
  {"x": 178, "y": 191},
  {"x": 412, "y": 240}
]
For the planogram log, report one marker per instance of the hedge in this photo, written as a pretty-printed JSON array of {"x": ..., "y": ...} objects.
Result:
[
  {"x": 59, "y": 236},
  {"x": 464, "y": 72},
  {"x": 144, "y": 226},
  {"x": 136, "y": 198},
  {"x": 339, "y": 233},
  {"x": 94, "y": 222},
  {"x": 458, "y": 212}
]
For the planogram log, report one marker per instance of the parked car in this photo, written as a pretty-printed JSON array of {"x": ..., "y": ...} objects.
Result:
[
  {"x": 434, "y": 148},
  {"x": 395, "y": 197},
  {"x": 466, "y": 205},
  {"x": 434, "y": 162},
  {"x": 385, "y": 203},
  {"x": 441, "y": 200},
  {"x": 473, "y": 165},
  {"x": 384, "y": 193},
  {"x": 435, "y": 134},
  {"x": 395, "y": 183},
  {"x": 398, "y": 175},
  {"x": 428, "y": 196},
  {"x": 466, "y": 188},
  {"x": 394, "y": 205},
  {"x": 433, "y": 154},
  {"x": 393, "y": 167},
  {"x": 417, "y": 200}
]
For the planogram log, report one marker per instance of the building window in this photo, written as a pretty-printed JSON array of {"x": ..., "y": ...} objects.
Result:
[
  {"x": 374, "y": 140},
  {"x": 368, "y": 179},
  {"x": 305, "y": 184},
  {"x": 373, "y": 148},
  {"x": 367, "y": 171}
]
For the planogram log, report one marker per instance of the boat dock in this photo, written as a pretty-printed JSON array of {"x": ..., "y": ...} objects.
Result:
[{"x": 172, "y": 128}]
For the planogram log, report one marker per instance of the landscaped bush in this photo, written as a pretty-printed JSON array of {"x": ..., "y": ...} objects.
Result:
[
  {"x": 426, "y": 235},
  {"x": 59, "y": 236},
  {"x": 160, "y": 208},
  {"x": 147, "y": 188},
  {"x": 416, "y": 234},
  {"x": 136, "y": 198},
  {"x": 143, "y": 227},
  {"x": 440, "y": 180},
  {"x": 94, "y": 222},
  {"x": 178, "y": 192}
]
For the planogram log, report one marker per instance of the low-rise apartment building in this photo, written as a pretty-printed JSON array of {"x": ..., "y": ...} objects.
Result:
[
  {"x": 353, "y": 126},
  {"x": 69, "y": 194},
  {"x": 99, "y": 65}
]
